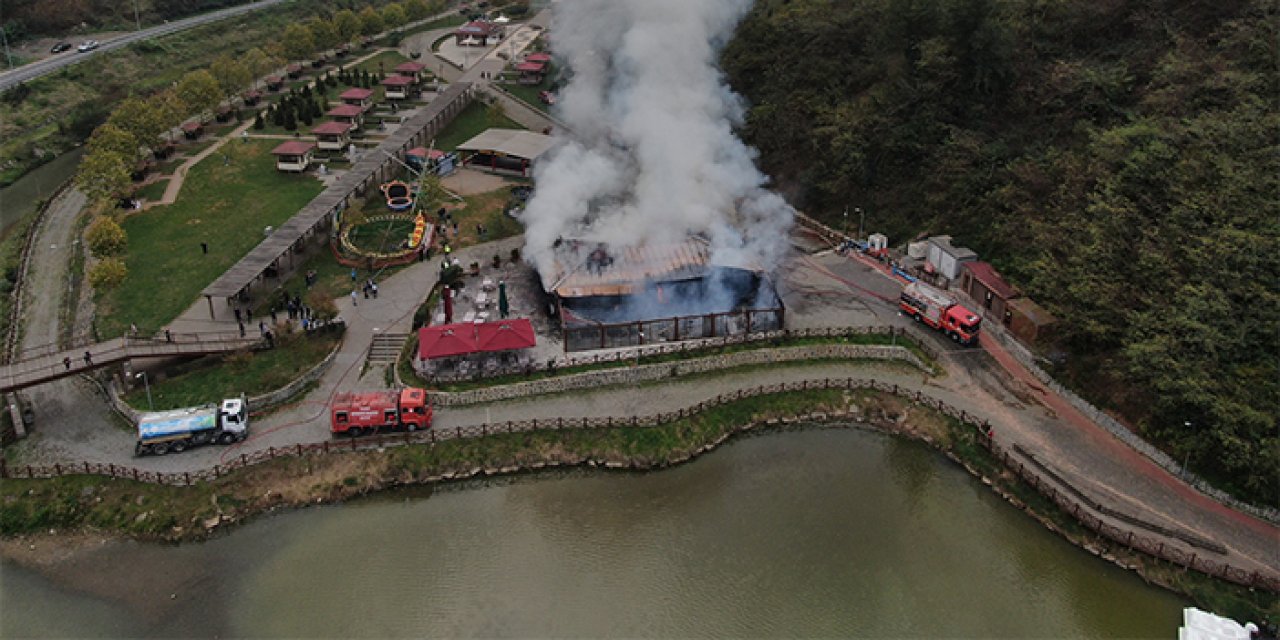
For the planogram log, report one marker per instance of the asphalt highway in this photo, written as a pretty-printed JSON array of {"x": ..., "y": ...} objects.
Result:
[{"x": 58, "y": 61}]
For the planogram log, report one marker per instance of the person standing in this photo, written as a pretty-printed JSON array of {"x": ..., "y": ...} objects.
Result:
[
  {"x": 88, "y": 359},
  {"x": 66, "y": 362},
  {"x": 355, "y": 298}
]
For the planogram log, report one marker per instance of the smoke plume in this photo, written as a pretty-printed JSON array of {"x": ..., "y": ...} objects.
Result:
[{"x": 651, "y": 156}]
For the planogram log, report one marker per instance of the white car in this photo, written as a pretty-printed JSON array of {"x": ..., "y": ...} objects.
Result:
[{"x": 87, "y": 46}]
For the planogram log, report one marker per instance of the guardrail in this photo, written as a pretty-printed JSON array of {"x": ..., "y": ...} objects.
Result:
[{"x": 980, "y": 428}]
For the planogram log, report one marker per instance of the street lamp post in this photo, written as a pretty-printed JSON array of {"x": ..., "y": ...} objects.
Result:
[
  {"x": 860, "y": 219},
  {"x": 146, "y": 383}
]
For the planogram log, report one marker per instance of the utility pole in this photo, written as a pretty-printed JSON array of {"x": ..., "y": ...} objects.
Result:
[
  {"x": 136, "y": 19},
  {"x": 860, "y": 219}
]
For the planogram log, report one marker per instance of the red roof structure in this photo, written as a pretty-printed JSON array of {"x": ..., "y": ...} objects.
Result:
[
  {"x": 332, "y": 129},
  {"x": 410, "y": 67},
  {"x": 458, "y": 339},
  {"x": 345, "y": 111},
  {"x": 397, "y": 81},
  {"x": 476, "y": 28},
  {"x": 193, "y": 125},
  {"x": 417, "y": 152},
  {"x": 505, "y": 335},
  {"x": 532, "y": 67},
  {"x": 293, "y": 148},
  {"x": 274, "y": 80},
  {"x": 538, "y": 57},
  {"x": 442, "y": 341},
  {"x": 356, "y": 94},
  {"x": 990, "y": 278}
]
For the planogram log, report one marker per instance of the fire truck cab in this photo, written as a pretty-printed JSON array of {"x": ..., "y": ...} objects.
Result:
[{"x": 356, "y": 414}]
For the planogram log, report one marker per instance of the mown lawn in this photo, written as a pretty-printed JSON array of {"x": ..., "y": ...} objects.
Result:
[
  {"x": 251, "y": 373},
  {"x": 469, "y": 124},
  {"x": 528, "y": 93},
  {"x": 225, "y": 205}
]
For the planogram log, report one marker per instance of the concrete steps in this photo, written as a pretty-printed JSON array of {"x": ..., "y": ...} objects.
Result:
[{"x": 385, "y": 348}]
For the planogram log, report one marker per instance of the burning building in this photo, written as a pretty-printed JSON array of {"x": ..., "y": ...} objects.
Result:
[{"x": 631, "y": 295}]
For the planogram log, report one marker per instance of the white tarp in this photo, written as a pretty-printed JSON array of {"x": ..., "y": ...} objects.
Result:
[{"x": 1202, "y": 625}]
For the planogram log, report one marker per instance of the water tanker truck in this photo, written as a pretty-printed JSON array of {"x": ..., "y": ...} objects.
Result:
[
  {"x": 355, "y": 414},
  {"x": 164, "y": 431},
  {"x": 937, "y": 309}
]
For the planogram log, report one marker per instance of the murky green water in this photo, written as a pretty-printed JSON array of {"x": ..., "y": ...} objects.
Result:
[
  {"x": 20, "y": 198},
  {"x": 811, "y": 533}
]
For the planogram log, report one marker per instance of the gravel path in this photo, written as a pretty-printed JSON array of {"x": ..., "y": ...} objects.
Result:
[{"x": 71, "y": 420}]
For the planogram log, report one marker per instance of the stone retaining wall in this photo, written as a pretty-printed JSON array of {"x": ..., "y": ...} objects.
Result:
[{"x": 626, "y": 375}]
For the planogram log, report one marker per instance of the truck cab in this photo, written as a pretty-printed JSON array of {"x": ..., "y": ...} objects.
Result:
[
  {"x": 961, "y": 324},
  {"x": 234, "y": 416},
  {"x": 415, "y": 410}
]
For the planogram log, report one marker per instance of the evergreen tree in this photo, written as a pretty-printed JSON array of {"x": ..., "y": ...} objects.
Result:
[
  {"x": 277, "y": 115},
  {"x": 258, "y": 122},
  {"x": 290, "y": 121},
  {"x": 306, "y": 116}
]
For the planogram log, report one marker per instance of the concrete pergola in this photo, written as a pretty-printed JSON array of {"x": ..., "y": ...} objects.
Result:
[{"x": 376, "y": 166}]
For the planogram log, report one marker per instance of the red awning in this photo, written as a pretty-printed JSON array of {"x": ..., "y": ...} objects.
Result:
[
  {"x": 537, "y": 57},
  {"x": 417, "y": 152},
  {"x": 505, "y": 335},
  {"x": 442, "y": 341},
  {"x": 532, "y": 67}
]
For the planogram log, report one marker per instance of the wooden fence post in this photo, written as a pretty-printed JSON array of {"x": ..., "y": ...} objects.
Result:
[{"x": 186, "y": 478}]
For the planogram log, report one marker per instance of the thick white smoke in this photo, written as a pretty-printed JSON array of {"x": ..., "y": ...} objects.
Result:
[{"x": 651, "y": 156}]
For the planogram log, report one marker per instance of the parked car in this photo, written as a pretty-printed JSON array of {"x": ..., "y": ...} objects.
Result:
[
  {"x": 87, "y": 46},
  {"x": 60, "y": 47},
  {"x": 547, "y": 97}
]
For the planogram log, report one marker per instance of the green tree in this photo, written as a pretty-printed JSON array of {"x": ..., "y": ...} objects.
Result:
[
  {"x": 109, "y": 138},
  {"x": 106, "y": 237},
  {"x": 199, "y": 92},
  {"x": 143, "y": 119},
  {"x": 108, "y": 273},
  {"x": 103, "y": 176},
  {"x": 370, "y": 21},
  {"x": 325, "y": 33},
  {"x": 290, "y": 119},
  {"x": 393, "y": 16},
  {"x": 258, "y": 63},
  {"x": 347, "y": 24},
  {"x": 416, "y": 10},
  {"x": 297, "y": 41},
  {"x": 232, "y": 75},
  {"x": 170, "y": 109}
]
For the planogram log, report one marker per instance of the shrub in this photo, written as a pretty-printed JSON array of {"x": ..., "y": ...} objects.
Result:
[
  {"x": 106, "y": 237},
  {"x": 108, "y": 273}
]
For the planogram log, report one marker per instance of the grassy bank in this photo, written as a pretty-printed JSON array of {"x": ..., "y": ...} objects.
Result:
[
  {"x": 224, "y": 204},
  {"x": 249, "y": 372},
  {"x": 77, "y": 503}
]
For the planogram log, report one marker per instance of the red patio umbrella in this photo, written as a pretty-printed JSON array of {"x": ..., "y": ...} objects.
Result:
[
  {"x": 446, "y": 340},
  {"x": 506, "y": 335}
]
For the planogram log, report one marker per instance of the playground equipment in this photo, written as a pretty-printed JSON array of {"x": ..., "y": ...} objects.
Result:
[{"x": 399, "y": 196}]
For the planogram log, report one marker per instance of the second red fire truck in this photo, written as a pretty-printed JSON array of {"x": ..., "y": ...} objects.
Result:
[{"x": 357, "y": 414}]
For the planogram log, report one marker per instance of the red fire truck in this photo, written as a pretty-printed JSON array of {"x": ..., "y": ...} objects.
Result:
[
  {"x": 356, "y": 414},
  {"x": 940, "y": 311}
]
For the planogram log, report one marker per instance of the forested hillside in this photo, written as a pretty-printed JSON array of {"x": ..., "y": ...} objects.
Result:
[{"x": 1116, "y": 159}]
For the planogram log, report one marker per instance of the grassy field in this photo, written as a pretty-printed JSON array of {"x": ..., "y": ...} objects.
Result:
[
  {"x": 470, "y": 123},
  {"x": 250, "y": 372},
  {"x": 528, "y": 93},
  {"x": 152, "y": 192},
  {"x": 225, "y": 205},
  {"x": 62, "y": 108}
]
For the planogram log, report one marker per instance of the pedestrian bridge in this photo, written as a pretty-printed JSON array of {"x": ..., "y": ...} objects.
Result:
[{"x": 38, "y": 365}]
